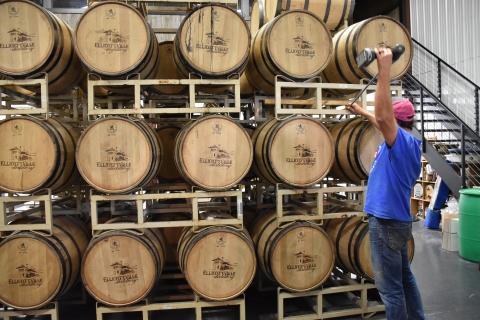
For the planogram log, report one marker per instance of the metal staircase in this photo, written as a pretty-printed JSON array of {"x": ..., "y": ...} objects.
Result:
[{"x": 447, "y": 105}]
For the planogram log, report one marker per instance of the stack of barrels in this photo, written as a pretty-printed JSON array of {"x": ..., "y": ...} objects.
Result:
[{"x": 286, "y": 39}]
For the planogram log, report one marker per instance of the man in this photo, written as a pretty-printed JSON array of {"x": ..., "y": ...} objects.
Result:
[{"x": 394, "y": 170}]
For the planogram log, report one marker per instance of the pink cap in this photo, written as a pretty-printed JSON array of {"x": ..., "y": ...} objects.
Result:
[{"x": 403, "y": 110}]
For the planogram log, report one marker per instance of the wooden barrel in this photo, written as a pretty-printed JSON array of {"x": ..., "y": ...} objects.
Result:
[
  {"x": 120, "y": 267},
  {"x": 246, "y": 89},
  {"x": 374, "y": 32},
  {"x": 213, "y": 152},
  {"x": 218, "y": 262},
  {"x": 296, "y": 45},
  {"x": 352, "y": 245},
  {"x": 213, "y": 42},
  {"x": 299, "y": 257},
  {"x": 16, "y": 88},
  {"x": 34, "y": 40},
  {"x": 297, "y": 151},
  {"x": 257, "y": 16},
  {"x": 98, "y": 91},
  {"x": 37, "y": 153},
  {"x": 113, "y": 40},
  {"x": 356, "y": 140},
  {"x": 37, "y": 267},
  {"x": 118, "y": 155},
  {"x": 166, "y": 134},
  {"x": 171, "y": 235},
  {"x": 351, "y": 237},
  {"x": 332, "y": 12},
  {"x": 167, "y": 70}
]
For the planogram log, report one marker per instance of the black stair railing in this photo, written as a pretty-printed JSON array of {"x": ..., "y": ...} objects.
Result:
[
  {"x": 456, "y": 91},
  {"x": 448, "y": 104}
]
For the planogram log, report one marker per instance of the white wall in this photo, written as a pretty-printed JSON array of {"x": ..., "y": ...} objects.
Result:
[{"x": 449, "y": 28}]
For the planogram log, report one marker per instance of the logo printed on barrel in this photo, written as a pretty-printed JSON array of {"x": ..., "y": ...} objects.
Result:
[
  {"x": 112, "y": 41},
  {"x": 27, "y": 277},
  {"x": 19, "y": 41},
  {"x": 115, "y": 245},
  {"x": 301, "y": 235},
  {"x": 300, "y": 128},
  {"x": 122, "y": 273},
  {"x": 383, "y": 27},
  {"x": 115, "y": 160},
  {"x": 217, "y": 127},
  {"x": 215, "y": 44},
  {"x": 222, "y": 269},
  {"x": 215, "y": 15},
  {"x": 20, "y": 159},
  {"x": 111, "y": 129},
  {"x": 13, "y": 10},
  {"x": 221, "y": 241},
  {"x": 304, "y": 156},
  {"x": 301, "y": 48},
  {"x": 110, "y": 12},
  {"x": 299, "y": 20},
  {"x": 304, "y": 262},
  {"x": 218, "y": 157},
  {"x": 22, "y": 246}
]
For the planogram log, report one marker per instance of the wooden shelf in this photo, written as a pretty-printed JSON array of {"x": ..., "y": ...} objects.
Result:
[{"x": 420, "y": 204}]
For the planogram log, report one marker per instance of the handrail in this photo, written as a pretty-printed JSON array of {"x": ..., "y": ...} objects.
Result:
[
  {"x": 438, "y": 101},
  {"x": 446, "y": 64}
]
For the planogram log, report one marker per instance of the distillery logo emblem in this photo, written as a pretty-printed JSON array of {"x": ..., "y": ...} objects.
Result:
[
  {"x": 300, "y": 128},
  {"x": 215, "y": 15},
  {"x": 383, "y": 27},
  {"x": 304, "y": 156},
  {"x": 214, "y": 43},
  {"x": 301, "y": 235},
  {"x": 122, "y": 273},
  {"x": 22, "y": 246},
  {"x": 17, "y": 128},
  {"x": 111, "y": 129},
  {"x": 115, "y": 160},
  {"x": 27, "y": 277},
  {"x": 115, "y": 245},
  {"x": 222, "y": 269},
  {"x": 218, "y": 157},
  {"x": 301, "y": 47},
  {"x": 221, "y": 241},
  {"x": 20, "y": 159},
  {"x": 111, "y": 12},
  {"x": 299, "y": 20},
  {"x": 217, "y": 128},
  {"x": 112, "y": 41},
  {"x": 13, "y": 10},
  {"x": 304, "y": 262},
  {"x": 19, "y": 41}
]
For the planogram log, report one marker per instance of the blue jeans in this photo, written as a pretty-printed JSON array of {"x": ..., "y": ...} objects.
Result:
[{"x": 393, "y": 278}]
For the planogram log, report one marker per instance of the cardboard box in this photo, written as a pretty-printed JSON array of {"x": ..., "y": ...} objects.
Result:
[
  {"x": 450, "y": 241},
  {"x": 446, "y": 216},
  {"x": 450, "y": 226}
]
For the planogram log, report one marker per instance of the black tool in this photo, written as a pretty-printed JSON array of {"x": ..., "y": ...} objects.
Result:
[{"x": 368, "y": 55}]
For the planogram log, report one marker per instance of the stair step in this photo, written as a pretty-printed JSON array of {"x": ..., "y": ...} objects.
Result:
[
  {"x": 427, "y": 108},
  {"x": 441, "y": 130},
  {"x": 445, "y": 140},
  {"x": 436, "y": 120}
]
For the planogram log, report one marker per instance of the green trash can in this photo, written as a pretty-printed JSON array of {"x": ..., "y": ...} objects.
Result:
[{"x": 469, "y": 224}]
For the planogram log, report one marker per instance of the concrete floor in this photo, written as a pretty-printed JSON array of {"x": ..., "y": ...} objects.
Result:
[{"x": 450, "y": 288}]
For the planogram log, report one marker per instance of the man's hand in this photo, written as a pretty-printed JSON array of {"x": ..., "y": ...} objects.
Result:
[
  {"x": 384, "y": 59},
  {"x": 358, "y": 110},
  {"x": 355, "y": 109}
]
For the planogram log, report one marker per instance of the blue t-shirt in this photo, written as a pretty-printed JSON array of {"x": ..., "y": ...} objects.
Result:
[{"x": 392, "y": 175}]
